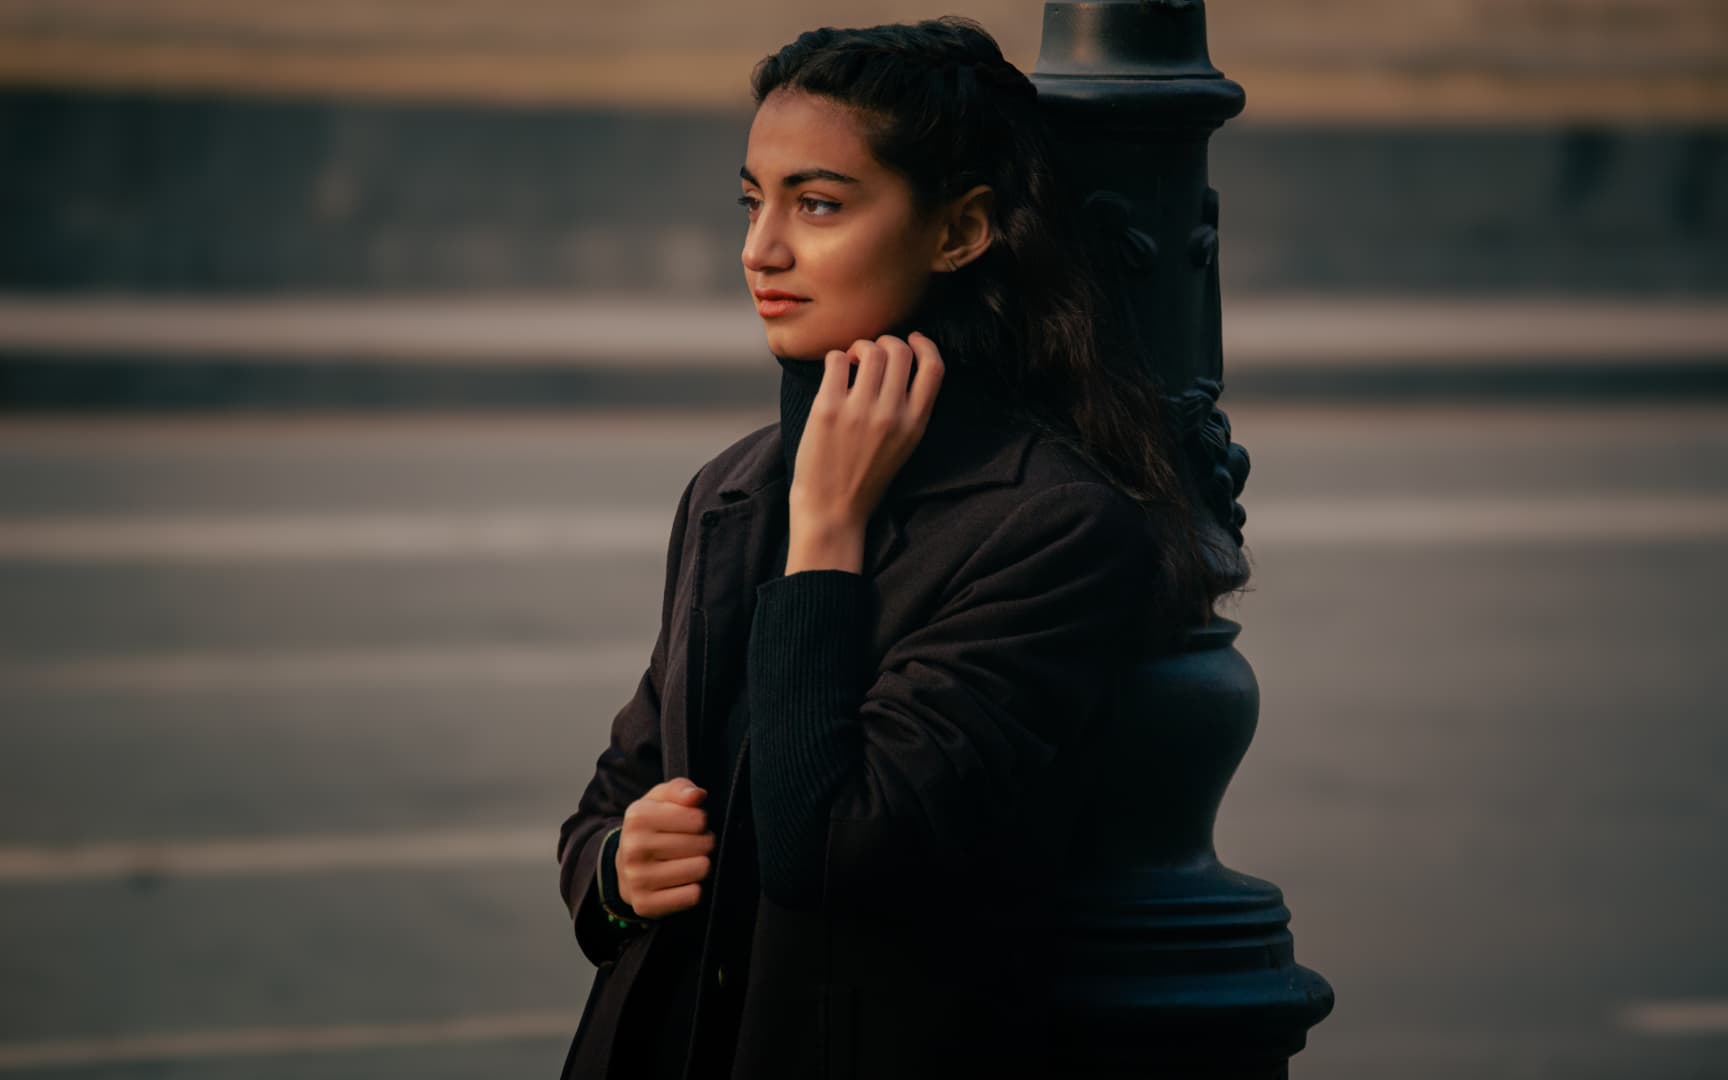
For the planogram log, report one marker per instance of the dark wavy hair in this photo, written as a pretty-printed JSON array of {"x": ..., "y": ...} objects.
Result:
[{"x": 940, "y": 105}]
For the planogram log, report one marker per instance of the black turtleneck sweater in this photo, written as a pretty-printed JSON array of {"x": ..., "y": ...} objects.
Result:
[
  {"x": 799, "y": 381},
  {"x": 806, "y": 671}
]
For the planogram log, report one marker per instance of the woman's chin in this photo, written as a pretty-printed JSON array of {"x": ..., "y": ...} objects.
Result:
[{"x": 792, "y": 346}]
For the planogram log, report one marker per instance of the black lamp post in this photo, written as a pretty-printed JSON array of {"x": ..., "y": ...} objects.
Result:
[{"x": 1170, "y": 964}]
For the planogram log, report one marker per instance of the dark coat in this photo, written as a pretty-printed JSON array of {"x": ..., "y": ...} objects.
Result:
[{"x": 1013, "y": 589}]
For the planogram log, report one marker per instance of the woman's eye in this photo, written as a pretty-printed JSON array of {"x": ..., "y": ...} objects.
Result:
[{"x": 818, "y": 207}]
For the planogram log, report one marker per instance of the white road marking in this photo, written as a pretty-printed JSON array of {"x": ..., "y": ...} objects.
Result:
[
  {"x": 624, "y": 332},
  {"x": 1328, "y": 522},
  {"x": 268, "y": 856},
  {"x": 570, "y": 665},
  {"x": 1468, "y": 332},
  {"x": 646, "y": 332},
  {"x": 313, "y": 537},
  {"x": 1702, "y": 1016},
  {"x": 261, "y": 1042},
  {"x": 1284, "y": 522}
]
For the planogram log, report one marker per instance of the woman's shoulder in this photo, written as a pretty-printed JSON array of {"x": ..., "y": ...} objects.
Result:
[
  {"x": 747, "y": 458},
  {"x": 1055, "y": 471},
  {"x": 1052, "y": 462},
  {"x": 1053, "y": 492}
]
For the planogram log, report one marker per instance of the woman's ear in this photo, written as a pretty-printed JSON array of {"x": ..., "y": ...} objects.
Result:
[{"x": 966, "y": 232}]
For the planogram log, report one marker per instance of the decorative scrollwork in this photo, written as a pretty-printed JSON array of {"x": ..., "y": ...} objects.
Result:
[{"x": 1220, "y": 466}]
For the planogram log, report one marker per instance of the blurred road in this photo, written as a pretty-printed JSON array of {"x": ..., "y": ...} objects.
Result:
[{"x": 293, "y": 708}]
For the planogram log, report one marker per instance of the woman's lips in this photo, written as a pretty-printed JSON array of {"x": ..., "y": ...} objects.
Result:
[{"x": 769, "y": 309}]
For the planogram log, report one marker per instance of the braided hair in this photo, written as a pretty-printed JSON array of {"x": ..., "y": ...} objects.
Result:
[{"x": 940, "y": 105}]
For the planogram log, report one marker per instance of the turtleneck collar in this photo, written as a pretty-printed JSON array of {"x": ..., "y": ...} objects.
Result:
[
  {"x": 958, "y": 403},
  {"x": 799, "y": 381}
]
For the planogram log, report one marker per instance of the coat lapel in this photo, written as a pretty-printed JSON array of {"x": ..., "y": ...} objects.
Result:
[{"x": 738, "y": 541}]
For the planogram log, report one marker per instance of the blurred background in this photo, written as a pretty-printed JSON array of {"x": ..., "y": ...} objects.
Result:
[{"x": 353, "y": 355}]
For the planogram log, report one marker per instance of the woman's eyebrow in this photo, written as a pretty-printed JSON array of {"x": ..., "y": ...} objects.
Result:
[{"x": 794, "y": 179}]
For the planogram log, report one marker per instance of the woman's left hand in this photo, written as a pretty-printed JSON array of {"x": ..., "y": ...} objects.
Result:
[{"x": 854, "y": 442}]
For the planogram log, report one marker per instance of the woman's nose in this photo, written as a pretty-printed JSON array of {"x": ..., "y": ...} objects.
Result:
[{"x": 763, "y": 249}]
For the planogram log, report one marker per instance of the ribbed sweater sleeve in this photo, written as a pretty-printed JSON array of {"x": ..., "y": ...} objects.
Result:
[{"x": 807, "y": 670}]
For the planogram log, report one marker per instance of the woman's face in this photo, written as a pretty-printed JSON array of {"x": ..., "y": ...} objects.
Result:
[{"x": 829, "y": 225}]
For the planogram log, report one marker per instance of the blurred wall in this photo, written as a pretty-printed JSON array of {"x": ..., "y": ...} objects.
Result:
[{"x": 413, "y": 145}]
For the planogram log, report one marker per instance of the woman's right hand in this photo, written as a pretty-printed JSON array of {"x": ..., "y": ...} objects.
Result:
[{"x": 663, "y": 849}]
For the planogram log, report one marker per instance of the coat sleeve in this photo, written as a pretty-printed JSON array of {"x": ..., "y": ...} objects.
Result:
[
  {"x": 625, "y": 770},
  {"x": 872, "y": 786}
]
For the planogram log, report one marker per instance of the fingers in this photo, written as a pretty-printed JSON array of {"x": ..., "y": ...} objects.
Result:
[
  {"x": 679, "y": 789},
  {"x": 836, "y": 370},
  {"x": 647, "y": 815},
  {"x": 926, "y": 380},
  {"x": 896, "y": 367},
  {"x": 651, "y": 877},
  {"x": 884, "y": 368},
  {"x": 871, "y": 357},
  {"x": 667, "y": 901},
  {"x": 668, "y": 845},
  {"x": 654, "y": 886}
]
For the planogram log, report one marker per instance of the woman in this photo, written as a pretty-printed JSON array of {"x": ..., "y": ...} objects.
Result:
[{"x": 819, "y": 840}]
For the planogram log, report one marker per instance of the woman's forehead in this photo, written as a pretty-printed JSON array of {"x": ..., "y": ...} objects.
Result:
[{"x": 794, "y": 133}]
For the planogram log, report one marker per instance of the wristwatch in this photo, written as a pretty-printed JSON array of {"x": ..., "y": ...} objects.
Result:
[{"x": 618, "y": 913}]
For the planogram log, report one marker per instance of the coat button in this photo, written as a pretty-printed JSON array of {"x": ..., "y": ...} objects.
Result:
[
  {"x": 709, "y": 517},
  {"x": 720, "y": 976}
]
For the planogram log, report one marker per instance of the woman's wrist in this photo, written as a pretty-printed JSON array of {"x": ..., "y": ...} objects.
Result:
[
  {"x": 619, "y": 913},
  {"x": 836, "y": 545}
]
